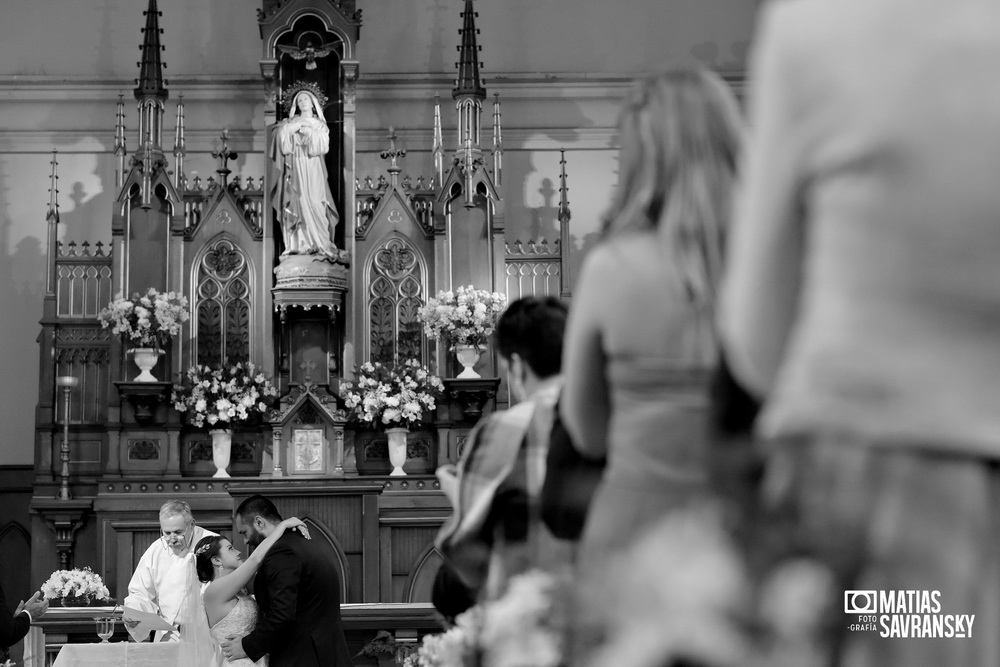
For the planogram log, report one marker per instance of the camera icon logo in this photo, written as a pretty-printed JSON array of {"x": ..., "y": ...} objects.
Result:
[{"x": 860, "y": 602}]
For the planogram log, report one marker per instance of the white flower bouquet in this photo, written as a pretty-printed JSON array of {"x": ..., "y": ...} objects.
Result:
[
  {"x": 146, "y": 320},
  {"x": 223, "y": 395},
  {"x": 391, "y": 396},
  {"x": 463, "y": 317},
  {"x": 84, "y": 585}
]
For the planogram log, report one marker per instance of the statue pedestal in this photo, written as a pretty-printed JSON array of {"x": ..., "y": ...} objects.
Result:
[{"x": 311, "y": 281}]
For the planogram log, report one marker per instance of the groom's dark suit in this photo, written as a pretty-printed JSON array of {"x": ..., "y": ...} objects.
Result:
[{"x": 298, "y": 595}]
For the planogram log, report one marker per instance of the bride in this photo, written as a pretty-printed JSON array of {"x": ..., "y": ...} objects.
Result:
[{"x": 231, "y": 612}]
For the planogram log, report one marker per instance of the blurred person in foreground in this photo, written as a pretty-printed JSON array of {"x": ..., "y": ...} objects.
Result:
[
  {"x": 495, "y": 530},
  {"x": 640, "y": 340},
  {"x": 165, "y": 583},
  {"x": 861, "y": 303}
]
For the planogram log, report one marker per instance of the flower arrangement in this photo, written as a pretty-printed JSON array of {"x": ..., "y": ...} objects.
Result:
[
  {"x": 146, "y": 320},
  {"x": 391, "y": 396},
  {"x": 526, "y": 627},
  {"x": 383, "y": 643},
  {"x": 465, "y": 316},
  {"x": 222, "y": 395},
  {"x": 83, "y": 583},
  {"x": 384, "y": 647}
]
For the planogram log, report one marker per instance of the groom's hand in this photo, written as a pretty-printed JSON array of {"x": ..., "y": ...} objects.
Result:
[{"x": 232, "y": 648}]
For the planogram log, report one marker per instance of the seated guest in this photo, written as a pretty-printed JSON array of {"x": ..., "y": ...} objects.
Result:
[
  {"x": 14, "y": 627},
  {"x": 495, "y": 530},
  {"x": 166, "y": 583}
]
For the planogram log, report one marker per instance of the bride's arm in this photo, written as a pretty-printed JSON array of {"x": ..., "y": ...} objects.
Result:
[{"x": 226, "y": 588}]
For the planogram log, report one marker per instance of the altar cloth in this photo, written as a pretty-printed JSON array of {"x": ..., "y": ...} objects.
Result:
[{"x": 119, "y": 654}]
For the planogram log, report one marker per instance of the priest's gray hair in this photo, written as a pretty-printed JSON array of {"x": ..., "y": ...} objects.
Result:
[{"x": 177, "y": 508}]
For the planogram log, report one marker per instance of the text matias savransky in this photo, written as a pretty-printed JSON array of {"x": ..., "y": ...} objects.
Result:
[{"x": 905, "y": 614}]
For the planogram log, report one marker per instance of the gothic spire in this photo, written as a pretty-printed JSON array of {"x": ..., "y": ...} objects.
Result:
[
  {"x": 468, "y": 82},
  {"x": 150, "y": 81},
  {"x": 52, "y": 220}
]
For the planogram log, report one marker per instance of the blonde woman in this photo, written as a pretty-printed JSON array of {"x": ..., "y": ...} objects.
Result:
[
  {"x": 230, "y": 611},
  {"x": 640, "y": 339}
]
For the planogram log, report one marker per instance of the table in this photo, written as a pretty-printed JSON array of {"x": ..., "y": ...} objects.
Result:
[{"x": 119, "y": 654}]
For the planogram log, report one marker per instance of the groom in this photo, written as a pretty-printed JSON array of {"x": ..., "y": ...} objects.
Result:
[{"x": 298, "y": 596}]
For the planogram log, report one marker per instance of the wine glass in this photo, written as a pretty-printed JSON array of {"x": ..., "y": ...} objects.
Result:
[{"x": 105, "y": 628}]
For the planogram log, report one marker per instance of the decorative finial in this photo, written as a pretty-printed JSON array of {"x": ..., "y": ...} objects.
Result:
[
  {"x": 53, "y": 214},
  {"x": 497, "y": 142},
  {"x": 225, "y": 155},
  {"x": 564, "y": 213},
  {"x": 393, "y": 154}
]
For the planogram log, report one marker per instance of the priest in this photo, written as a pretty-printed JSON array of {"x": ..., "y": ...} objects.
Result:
[{"x": 165, "y": 583}]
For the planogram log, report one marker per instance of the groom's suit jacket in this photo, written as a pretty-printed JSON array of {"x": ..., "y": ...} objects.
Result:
[{"x": 298, "y": 596}]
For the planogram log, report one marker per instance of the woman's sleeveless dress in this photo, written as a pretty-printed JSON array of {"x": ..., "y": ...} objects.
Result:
[{"x": 240, "y": 620}]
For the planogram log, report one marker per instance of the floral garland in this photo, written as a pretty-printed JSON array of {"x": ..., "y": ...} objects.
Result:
[
  {"x": 222, "y": 395},
  {"x": 391, "y": 396},
  {"x": 83, "y": 583},
  {"x": 464, "y": 317},
  {"x": 146, "y": 320}
]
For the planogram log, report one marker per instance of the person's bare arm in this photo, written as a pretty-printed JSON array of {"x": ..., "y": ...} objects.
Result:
[{"x": 226, "y": 588}]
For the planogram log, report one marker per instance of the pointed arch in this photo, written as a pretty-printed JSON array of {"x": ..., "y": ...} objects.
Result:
[
  {"x": 395, "y": 287},
  {"x": 318, "y": 529},
  {"x": 420, "y": 582},
  {"x": 222, "y": 274}
]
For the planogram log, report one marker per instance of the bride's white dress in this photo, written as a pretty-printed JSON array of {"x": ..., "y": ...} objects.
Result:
[{"x": 240, "y": 620}]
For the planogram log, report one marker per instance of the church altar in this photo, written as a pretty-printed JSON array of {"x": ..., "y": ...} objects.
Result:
[
  {"x": 66, "y": 636},
  {"x": 306, "y": 308}
]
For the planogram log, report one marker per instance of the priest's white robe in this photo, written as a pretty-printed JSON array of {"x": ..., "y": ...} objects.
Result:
[{"x": 166, "y": 584}]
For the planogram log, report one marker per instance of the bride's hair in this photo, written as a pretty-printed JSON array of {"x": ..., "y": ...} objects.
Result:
[{"x": 206, "y": 549}]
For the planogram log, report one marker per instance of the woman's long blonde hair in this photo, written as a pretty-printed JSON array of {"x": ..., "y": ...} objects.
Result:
[{"x": 680, "y": 134}]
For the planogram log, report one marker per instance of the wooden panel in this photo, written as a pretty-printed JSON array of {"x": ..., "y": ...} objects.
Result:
[{"x": 409, "y": 544}]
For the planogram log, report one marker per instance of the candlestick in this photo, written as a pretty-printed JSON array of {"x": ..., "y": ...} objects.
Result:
[{"x": 66, "y": 382}]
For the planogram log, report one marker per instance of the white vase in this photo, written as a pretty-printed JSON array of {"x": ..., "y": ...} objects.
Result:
[
  {"x": 222, "y": 445},
  {"x": 468, "y": 356},
  {"x": 145, "y": 358},
  {"x": 397, "y": 449}
]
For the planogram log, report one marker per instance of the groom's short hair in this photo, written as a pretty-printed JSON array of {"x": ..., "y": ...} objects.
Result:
[{"x": 258, "y": 506}]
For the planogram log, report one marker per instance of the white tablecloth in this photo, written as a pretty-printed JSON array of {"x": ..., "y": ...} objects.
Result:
[{"x": 118, "y": 654}]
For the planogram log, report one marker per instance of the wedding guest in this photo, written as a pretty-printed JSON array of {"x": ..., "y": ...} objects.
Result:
[
  {"x": 165, "y": 583},
  {"x": 861, "y": 300},
  {"x": 640, "y": 339},
  {"x": 495, "y": 530},
  {"x": 13, "y": 627}
]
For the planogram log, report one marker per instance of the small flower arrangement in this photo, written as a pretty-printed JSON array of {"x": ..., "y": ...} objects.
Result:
[
  {"x": 383, "y": 643},
  {"x": 391, "y": 396},
  {"x": 222, "y": 395},
  {"x": 464, "y": 317},
  {"x": 146, "y": 320},
  {"x": 85, "y": 584},
  {"x": 384, "y": 647}
]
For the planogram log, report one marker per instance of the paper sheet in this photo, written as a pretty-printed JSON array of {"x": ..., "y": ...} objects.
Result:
[{"x": 147, "y": 622}]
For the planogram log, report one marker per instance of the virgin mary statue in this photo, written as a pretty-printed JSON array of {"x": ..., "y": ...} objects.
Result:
[{"x": 301, "y": 193}]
